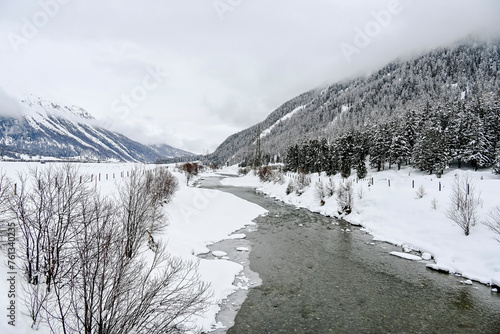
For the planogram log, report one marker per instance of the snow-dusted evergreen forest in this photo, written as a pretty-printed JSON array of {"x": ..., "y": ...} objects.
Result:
[
  {"x": 428, "y": 138},
  {"x": 410, "y": 105}
]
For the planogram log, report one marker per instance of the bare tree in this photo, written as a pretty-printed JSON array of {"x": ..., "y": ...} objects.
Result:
[
  {"x": 493, "y": 221},
  {"x": 110, "y": 292},
  {"x": 87, "y": 264},
  {"x": 190, "y": 169},
  {"x": 464, "y": 203},
  {"x": 46, "y": 206},
  {"x": 141, "y": 198},
  {"x": 5, "y": 193}
]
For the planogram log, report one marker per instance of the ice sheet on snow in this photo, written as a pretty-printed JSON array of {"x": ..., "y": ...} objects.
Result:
[{"x": 406, "y": 256}]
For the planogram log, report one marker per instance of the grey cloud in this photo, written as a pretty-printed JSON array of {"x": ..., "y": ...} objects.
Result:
[
  {"x": 233, "y": 71},
  {"x": 10, "y": 106}
]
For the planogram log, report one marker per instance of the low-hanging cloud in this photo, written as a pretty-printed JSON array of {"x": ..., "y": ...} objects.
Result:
[
  {"x": 224, "y": 75},
  {"x": 10, "y": 106}
]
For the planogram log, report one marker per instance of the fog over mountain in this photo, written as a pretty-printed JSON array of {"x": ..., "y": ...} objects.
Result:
[
  {"x": 196, "y": 72},
  {"x": 463, "y": 72}
]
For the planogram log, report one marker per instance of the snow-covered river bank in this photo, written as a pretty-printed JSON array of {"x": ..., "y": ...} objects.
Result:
[
  {"x": 317, "y": 274},
  {"x": 321, "y": 275}
]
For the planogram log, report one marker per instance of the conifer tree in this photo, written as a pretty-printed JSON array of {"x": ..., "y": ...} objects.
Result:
[{"x": 361, "y": 171}]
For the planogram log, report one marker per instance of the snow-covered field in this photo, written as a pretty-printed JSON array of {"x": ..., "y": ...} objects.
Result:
[
  {"x": 197, "y": 218},
  {"x": 391, "y": 211}
]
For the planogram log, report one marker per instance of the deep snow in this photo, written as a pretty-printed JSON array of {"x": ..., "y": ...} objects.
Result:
[{"x": 197, "y": 218}]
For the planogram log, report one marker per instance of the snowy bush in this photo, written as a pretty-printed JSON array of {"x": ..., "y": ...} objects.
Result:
[
  {"x": 420, "y": 191},
  {"x": 345, "y": 197},
  {"x": 243, "y": 171},
  {"x": 493, "y": 221},
  {"x": 265, "y": 174},
  {"x": 302, "y": 183},
  {"x": 463, "y": 204},
  {"x": 320, "y": 192},
  {"x": 278, "y": 177},
  {"x": 330, "y": 187},
  {"x": 290, "y": 188}
]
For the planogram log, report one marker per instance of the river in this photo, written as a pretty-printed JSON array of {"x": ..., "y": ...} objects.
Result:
[{"x": 321, "y": 275}]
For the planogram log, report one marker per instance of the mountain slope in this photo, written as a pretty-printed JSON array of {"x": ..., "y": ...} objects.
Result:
[
  {"x": 463, "y": 71},
  {"x": 51, "y": 130}
]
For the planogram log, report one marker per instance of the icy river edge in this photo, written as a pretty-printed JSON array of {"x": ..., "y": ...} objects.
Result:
[{"x": 477, "y": 298}]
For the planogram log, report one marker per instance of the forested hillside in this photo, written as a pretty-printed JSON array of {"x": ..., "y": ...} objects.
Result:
[{"x": 437, "y": 97}]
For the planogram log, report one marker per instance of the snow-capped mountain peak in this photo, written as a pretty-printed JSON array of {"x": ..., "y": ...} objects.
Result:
[
  {"x": 52, "y": 130},
  {"x": 40, "y": 104}
]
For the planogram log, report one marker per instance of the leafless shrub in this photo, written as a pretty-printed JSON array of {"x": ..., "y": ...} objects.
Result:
[
  {"x": 290, "y": 188},
  {"x": 345, "y": 198},
  {"x": 141, "y": 198},
  {"x": 493, "y": 221},
  {"x": 190, "y": 169},
  {"x": 243, "y": 171},
  {"x": 303, "y": 181},
  {"x": 278, "y": 177},
  {"x": 5, "y": 193},
  {"x": 161, "y": 185},
  {"x": 330, "y": 187},
  {"x": 361, "y": 192},
  {"x": 421, "y": 191},
  {"x": 265, "y": 174},
  {"x": 464, "y": 203},
  {"x": 320, "y": 192},
  {"x": 434, "y": 203}
]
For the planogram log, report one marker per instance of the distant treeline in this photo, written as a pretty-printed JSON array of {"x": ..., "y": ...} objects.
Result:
[{"x": 429, "y": 138}]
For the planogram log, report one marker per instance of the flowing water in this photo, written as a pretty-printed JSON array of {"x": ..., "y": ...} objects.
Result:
[{"x": 319, "y": 278}]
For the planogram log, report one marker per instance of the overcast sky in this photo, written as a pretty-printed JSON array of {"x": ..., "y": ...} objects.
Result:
[{"x": 192, "y": 72}]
